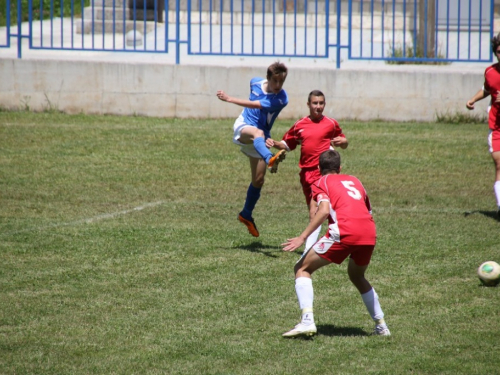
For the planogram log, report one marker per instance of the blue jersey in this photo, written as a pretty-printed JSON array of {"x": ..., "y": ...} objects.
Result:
[{"x": 271, "y": 104}]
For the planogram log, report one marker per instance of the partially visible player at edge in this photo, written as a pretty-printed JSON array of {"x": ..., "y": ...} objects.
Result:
[
  {"x": 252, "y": 132},
  {"x": 351, "y": 233},
  {"x": 492, "y": 87},
  {"x": 315, "y": 133}
]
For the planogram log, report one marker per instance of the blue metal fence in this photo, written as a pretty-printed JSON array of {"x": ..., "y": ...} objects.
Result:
[
  {"x": 390, "y": 30},
  {"x": 422, "y": 31}
]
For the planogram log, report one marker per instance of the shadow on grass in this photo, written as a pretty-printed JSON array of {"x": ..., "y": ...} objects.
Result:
[
  {"x": 491, "y": 214},
  {"x": 331, "y": 330},
  {"x": 258, "y": 247}
]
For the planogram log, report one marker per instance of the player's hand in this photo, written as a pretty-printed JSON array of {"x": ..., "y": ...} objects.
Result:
[
  {"x": 469, "y": 104},
  {"x": 338, "y": 141},
  {"x": 222, "y": 95},
  {"x": 292, "y": 244},
  {"x": 270, "y": 142}
]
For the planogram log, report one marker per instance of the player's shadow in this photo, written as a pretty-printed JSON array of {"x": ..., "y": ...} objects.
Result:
[
  {"x": 331, "y": 330},
  {"x": 259, "y": 248},
  {"x": 491, "y": 214}
]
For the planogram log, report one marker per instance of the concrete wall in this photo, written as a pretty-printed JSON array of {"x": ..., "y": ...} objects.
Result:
[{"x": 400, "y": 93}]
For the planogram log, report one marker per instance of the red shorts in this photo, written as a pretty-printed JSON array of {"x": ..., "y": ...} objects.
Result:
[
  {"x": 494, "y": 140},
  {"x": 307, "y": 178},
  {"x": 337, "y": 252}
]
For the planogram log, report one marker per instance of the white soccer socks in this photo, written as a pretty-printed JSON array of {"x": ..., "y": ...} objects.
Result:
[{"x": 372, "y": 304}]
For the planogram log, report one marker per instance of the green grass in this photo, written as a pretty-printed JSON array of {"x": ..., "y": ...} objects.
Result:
[{"x": 120, "y": 252}]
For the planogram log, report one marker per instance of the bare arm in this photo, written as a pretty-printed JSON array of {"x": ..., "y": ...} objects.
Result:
[
  {"x": 481, "y": 94},
  {"x": 292, "y": 244},
  {"x": 280, "y": 145},
  {"x": 255, "y": 104}
]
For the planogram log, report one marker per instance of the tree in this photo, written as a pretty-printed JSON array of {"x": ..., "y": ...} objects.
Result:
[{"x": 426, "y": 33}]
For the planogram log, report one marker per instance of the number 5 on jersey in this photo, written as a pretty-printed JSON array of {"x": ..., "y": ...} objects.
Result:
[{"x": 353, "y": 192}]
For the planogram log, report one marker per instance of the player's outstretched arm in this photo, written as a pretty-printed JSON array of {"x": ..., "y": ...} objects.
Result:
[
  {"x": 481, "y": 94},
  {"x": 276, "y": 144},
  {"x": 241, "y": 102}
]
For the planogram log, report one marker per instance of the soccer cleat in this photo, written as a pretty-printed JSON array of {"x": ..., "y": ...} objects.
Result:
[
  {"x": 275, "y": 160},
  {"x": 381, "y": 330},
  {"x": 302, "y": 329},
  {"x": 250, "y": 224}
]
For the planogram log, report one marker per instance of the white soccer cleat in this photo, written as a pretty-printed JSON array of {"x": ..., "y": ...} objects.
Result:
[
  {"x": 381, "y": 330},
  {"x": 302, "y": 329}
]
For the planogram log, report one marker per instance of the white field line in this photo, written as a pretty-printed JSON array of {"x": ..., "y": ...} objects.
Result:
[
  {"x": 112, "y": 215},
  {"x": 90, "y": 220}
]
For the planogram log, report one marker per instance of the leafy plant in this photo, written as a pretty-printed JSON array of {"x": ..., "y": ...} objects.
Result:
[
  {"x": 41, "y": 9},
  {"x": 411, "y": 56}
]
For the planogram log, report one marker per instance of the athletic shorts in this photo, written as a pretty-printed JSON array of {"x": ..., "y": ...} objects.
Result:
[
  {"x": 307, "y": 178},
  {"x": 337, "y": 252},
  {"x": 247, "y": 149},
  {"x": 494, "y": 140}
]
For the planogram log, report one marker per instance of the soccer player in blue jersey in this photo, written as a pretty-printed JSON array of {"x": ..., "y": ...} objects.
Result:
[{"x": 252, "y": 132}]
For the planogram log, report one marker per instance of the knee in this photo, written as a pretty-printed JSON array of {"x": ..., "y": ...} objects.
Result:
[
  {"x": 258, "y": 181},
  {"x": 258, "y": 133},
  {"x": 355, "y": 276},
  {"x": 302, "y": 271}
]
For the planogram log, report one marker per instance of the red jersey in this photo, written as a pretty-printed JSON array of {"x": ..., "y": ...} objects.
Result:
[
  {"x": 492, "y": 85},
  {"x": 350, "y": 220},
  {"x": 314, "y": 137}
]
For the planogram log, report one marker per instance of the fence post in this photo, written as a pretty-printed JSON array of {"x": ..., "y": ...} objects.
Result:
[
  {"x": 19, "y": 29},
  {"x": 177, "y": 31},
  {"x": 339, "y": 26}
]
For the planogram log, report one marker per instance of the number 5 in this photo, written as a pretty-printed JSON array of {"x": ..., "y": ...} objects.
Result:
[{"x": 353, "y": 192}]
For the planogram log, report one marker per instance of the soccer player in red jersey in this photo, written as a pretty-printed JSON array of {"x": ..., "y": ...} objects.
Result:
[
  {"x": 351, "y": 233},
  {"x": 492, "y": 87},
  {"x": 315, "y": 133}
]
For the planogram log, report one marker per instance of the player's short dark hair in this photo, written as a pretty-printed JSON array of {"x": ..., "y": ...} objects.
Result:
[
  {"x": 314, "y": 93},
  {"x": 329, "y": 162},
  {"x": 495, "y": 42},
  {"x": 276, "y": 68}
]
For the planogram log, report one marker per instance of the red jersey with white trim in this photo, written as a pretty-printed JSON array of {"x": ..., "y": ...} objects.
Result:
[
  {"x": 492, "y": 86},
  {"x": 350, "y": 221},
  {"x": 314, "y": 137}
]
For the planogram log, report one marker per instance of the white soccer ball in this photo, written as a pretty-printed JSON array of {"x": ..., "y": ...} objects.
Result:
[{"x": 489, "y": 273}]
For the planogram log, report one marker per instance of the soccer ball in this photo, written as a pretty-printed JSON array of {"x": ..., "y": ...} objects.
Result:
[{"x": 489, "y": 273}]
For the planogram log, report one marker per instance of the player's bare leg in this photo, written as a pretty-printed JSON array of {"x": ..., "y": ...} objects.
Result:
[{"x": 496, "y": 186}]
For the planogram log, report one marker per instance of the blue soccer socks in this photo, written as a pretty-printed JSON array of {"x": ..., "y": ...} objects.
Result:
[
  {"x": 253, "y": 195},
  {"x": 260, "y": 146}
]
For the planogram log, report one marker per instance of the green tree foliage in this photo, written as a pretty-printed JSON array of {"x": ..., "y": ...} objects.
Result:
[{"x": 41, "y": 9}]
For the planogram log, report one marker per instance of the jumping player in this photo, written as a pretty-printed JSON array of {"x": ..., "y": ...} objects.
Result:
[
  {"x": 351, "y": 233},
  {"x": 315, "y": 133},
  {"x": 492, "y": 87},
  {"x": 252, "y": 132}
]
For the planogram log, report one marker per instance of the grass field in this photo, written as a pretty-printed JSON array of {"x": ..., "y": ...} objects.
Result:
[{"x": 121, "y": 253}]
